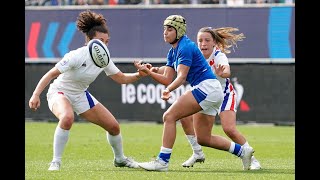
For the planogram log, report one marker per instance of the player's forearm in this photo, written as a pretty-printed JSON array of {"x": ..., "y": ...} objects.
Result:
[
  {"x": 176, "y": 83},
  {"x": 130, "y": 78},
  {"x": 160, "y": 78},
  {"x": 42, "y": 84}
]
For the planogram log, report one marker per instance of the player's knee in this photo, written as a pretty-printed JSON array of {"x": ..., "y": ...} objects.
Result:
[
  {"x": 168, "y": 118},
  {"x": 66, "y": 120},
  {"x": 165, "y": 116},
  {"x": 114, "y": 129}
]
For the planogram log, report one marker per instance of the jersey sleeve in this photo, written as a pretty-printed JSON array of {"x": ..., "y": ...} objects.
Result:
[
  {"x": 185, "y": 56},
  {"x": 170, "y": 59},
  {"x": 221, "y": 58},
  {"x": 73, "y": 59},
  {"x": 111, "y": 69}
]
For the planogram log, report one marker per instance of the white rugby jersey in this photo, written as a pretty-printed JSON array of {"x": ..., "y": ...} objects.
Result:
[
  {"x": 218, "y": 57},
  {"x": 78, "y": 71}
]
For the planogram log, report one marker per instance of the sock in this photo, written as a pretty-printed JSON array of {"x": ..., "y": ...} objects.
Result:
[
  {"x": 235, "y": 149},
  {"x": 164, "y": 154},
  {"x": 194, "y": 144},
  {"x": 246, "y": 144},
  {"x": 116, "y": 144},
  {"x": 60, "y": 140}
]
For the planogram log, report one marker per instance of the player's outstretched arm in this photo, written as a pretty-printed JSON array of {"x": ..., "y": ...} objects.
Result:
[{"x": 34, "y": 102}]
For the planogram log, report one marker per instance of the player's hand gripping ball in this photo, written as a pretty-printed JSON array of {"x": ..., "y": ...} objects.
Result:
[{"x": 99, "y": 53}]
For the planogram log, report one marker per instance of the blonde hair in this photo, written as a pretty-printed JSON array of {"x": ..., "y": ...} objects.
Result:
[{"x": 224, "y": 37}]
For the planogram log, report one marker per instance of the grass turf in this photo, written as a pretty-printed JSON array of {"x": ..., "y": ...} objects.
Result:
[{"x": 89, "y": 156}]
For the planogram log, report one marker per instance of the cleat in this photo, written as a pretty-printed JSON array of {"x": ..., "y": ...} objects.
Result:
[
  {"x": 127, "y": 162},
  {"x": 156, "y": 165},
  {"x": 255, "y": 164},
  {"x": 194, "y": 159},
  {"x": 246, "y": 156},
  {"x": 54, "y": 166}
]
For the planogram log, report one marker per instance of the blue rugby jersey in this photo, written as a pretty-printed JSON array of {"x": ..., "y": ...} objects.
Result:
[{"x": 188, "y": 53}]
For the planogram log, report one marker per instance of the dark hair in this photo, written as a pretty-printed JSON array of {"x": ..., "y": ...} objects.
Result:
[{"x": 90, "y": 22}]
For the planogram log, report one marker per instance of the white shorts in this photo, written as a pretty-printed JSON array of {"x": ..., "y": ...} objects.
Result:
[
  {"x": 230, "y": 99},
  {"x": 209, "y": 95},
  {"x": 80, "y": 102}
]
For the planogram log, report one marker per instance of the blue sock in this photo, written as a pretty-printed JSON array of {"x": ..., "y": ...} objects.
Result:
[
  {"x": 165, "y": 154},
  {"x": 235, "y": 149},
  {"x": 164, "y": 157}
]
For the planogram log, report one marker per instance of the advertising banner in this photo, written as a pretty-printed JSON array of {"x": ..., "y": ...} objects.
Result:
[{"x": 266, "y": 94}]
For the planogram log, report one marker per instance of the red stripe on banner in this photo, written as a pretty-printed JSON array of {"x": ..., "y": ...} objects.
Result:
[
  {"x": 113, "y": 2},
  {"x": 33, "y": 38},
  {"x": 244, "y": 106}
]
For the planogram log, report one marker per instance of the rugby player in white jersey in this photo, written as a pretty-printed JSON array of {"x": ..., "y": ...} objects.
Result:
[
  {"x": 214, "y": 44},
  {"x": 68, "y": 93}
]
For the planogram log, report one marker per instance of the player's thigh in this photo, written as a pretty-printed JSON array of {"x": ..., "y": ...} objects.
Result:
[
  {"x": 101, "y": 116},
  {"x": 228, "y": 119},
  {"x": 203, "y": 124},
  {"x": 184, "y": 106},
  {"x": 61, "y": 107}
]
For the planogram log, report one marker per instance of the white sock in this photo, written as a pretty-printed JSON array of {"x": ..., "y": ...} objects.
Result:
[
  {"x": 231, "y": 148},
  {"x": 60, "y": 140},
  {"x": 116, "y": 144},
  {"x": 194, "y": 144},
  {"x": 165, "y": 150},
  {"x": 246, "y": 144}
]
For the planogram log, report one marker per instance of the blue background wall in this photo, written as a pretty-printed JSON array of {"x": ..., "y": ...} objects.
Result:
[{"x": 269, "y": 31}]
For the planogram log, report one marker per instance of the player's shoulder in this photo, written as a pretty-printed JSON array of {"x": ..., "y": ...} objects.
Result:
[
  {"x": 77, "y": 55},
  {"x": 217, "y": 52},
  {"x": 80, "y": 51},
  {"x": 187, "y": 44},
  {"x": 77, "y": 52}
]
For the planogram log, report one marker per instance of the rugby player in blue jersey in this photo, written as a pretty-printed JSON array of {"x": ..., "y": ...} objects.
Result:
[{"x": 185, "y": 63}]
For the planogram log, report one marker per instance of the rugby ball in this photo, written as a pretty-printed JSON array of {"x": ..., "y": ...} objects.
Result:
[{"x": 99, "y": 53}]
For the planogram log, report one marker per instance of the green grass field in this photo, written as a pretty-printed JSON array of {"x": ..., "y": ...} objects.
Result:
[{"x": 88, "y": 155}]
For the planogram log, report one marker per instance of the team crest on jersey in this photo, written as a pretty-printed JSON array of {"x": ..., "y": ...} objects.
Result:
[
  {"x": 211, "y": 62},
  {"x": 64, "y": 62}
]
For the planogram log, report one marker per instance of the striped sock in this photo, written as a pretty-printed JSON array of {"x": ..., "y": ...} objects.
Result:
[
  {"x": 235, "y": 149},
  {"x": 164, "y": 154}
]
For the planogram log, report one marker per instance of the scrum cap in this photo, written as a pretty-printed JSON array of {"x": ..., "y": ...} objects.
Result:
[{"x": 177, "y": 22}]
